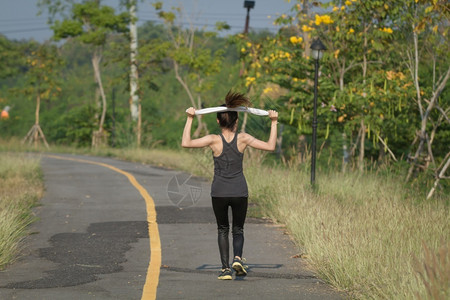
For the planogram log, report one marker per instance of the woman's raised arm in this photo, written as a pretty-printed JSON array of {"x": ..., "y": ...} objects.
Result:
[
  {"x": 271, "y": 143},
  {"x": 186, "y": 140}
]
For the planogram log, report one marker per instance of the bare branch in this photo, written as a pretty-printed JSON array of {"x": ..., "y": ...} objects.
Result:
[
  {"x": 439, "y": 177},
  {"x": 389, "y": 150}
]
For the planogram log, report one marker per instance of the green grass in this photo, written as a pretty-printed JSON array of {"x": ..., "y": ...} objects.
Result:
[
  {"x": 367, "y": 234},
  {"x": 21, "y": 188}
]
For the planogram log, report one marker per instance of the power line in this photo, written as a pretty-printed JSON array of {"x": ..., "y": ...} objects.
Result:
[
  {"x": 25, "y": 30},
  {"x": 22, "y": 19},
  {"x": 206, "y": 24}
]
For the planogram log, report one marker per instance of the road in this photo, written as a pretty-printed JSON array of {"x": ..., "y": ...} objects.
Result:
[{"x": 110, "y": 229}]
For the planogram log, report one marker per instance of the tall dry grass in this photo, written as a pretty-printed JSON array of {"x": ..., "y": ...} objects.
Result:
[
  {"x": 360, "y": 232},
  {"x": 20, "y": 188}
]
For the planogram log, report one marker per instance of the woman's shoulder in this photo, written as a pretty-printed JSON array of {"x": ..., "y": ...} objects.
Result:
[
  {"x": 214, "y": 137},
  {"x": 245, "y": 137}
]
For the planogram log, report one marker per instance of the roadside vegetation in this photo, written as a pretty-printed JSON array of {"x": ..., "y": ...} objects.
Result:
[
  {"x": 376, "y": 225},
  {"x": 363, "y": 232},
  {"x": 20, "y": 189}
]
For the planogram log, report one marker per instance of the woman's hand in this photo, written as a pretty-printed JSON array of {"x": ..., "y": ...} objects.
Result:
[
  {"x": 190, "y": 112},
  {"x": 273, "y": 115}
]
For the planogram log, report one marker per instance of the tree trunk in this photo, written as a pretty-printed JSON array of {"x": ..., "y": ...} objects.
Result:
[
  {"x": 134, "y": 85},
  {"x": 99, "y": 137},
  {"x": 422, "y": 133},
  {"x": 345, "y": 154},
  {"x": 365, "y": 53},
  {"x": 96, "y": 58},
  {"x": 305, "y": 11},
  {"x": 139, "y": 126},
  {"x": 361, "y": 147},
  {"x": 36, "y": 122},
  {"x": 36, "y": 132},
  {"x": 191, "y": 98}
]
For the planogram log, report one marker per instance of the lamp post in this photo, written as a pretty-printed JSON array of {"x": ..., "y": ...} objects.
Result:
[
  {"x": 317, "y": 48},
  {"x": 248, "y": 5}
]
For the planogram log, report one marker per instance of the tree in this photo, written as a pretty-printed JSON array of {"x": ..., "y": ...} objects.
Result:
[
  {"x": 193, "y": 64},
  {"x": 42, "y": 82},
  {"x": 135, "y": 105},
  {"x": 427, "y": 26},
  {"x": 91, "y": 23}
]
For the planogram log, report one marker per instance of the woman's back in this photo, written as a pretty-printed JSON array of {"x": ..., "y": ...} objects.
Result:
[{"x": 229, "y": 180}]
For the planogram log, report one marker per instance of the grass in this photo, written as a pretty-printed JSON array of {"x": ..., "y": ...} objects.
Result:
[
  {"x": 21, "y": 188},
  {"x": 364, "y": 233}
]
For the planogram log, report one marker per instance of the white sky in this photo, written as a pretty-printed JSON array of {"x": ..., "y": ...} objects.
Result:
[{"x": 18, "y": 19}]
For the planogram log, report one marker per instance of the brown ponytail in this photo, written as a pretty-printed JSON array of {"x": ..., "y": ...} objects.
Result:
[{"x": 232, "y": 99}]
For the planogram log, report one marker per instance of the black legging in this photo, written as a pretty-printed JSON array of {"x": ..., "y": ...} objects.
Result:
[{"x": 239, "y": 211}]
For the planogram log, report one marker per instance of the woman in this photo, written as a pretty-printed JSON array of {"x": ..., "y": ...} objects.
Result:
[{"x": 229, "y": 187}]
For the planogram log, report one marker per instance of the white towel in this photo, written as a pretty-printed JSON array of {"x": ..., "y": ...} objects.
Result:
[{"x": 209, "y": 110}]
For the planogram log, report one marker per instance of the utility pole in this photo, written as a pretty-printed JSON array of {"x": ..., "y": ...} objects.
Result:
[
  {"x": 134, "y": 84},
  {"x": 248, "y": 5}
]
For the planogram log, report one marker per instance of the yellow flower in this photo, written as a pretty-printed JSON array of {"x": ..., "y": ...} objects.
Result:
[
  {"x": 335, "y": 8},
  {"x": 249, "y": 80},
  {"x": 318, "y": 20},
  {"x": 343, "y": 7},
  {"x": 242, "y": 49},
  {"x": 296, "y": 40},
  {"x": 351, "y": 30},
  {"x": 266, "y": 59},
  {"x": 306, "y": 28},
  {"x": 390, "y": 75},
  {"x": 267, "y": 90},
  {"x": 336, "y": 53},
  {"x": 249, "y": 44},
  {"x": 348, "y": 3},
  {"x": 386, "y": 29},
  {"x": 326, "y": 19},
  {"x": 337, "y": 29}
]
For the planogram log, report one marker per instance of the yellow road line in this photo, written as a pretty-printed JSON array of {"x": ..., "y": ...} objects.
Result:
[{"x": 152, "y": 279}]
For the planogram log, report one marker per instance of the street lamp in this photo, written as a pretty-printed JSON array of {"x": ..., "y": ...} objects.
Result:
[
  {"x": 248, "y": 5},
  {"x": 317, "y": 48}
]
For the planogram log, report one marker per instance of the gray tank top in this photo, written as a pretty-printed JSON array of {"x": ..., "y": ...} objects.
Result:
[{"x": 229, "y": 180}]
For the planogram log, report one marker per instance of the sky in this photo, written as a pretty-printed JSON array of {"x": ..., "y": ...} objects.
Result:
[{"x": 19, "y": 20}]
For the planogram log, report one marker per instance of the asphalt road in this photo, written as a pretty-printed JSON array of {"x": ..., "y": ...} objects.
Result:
[{"x": 93, "y": 240}]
